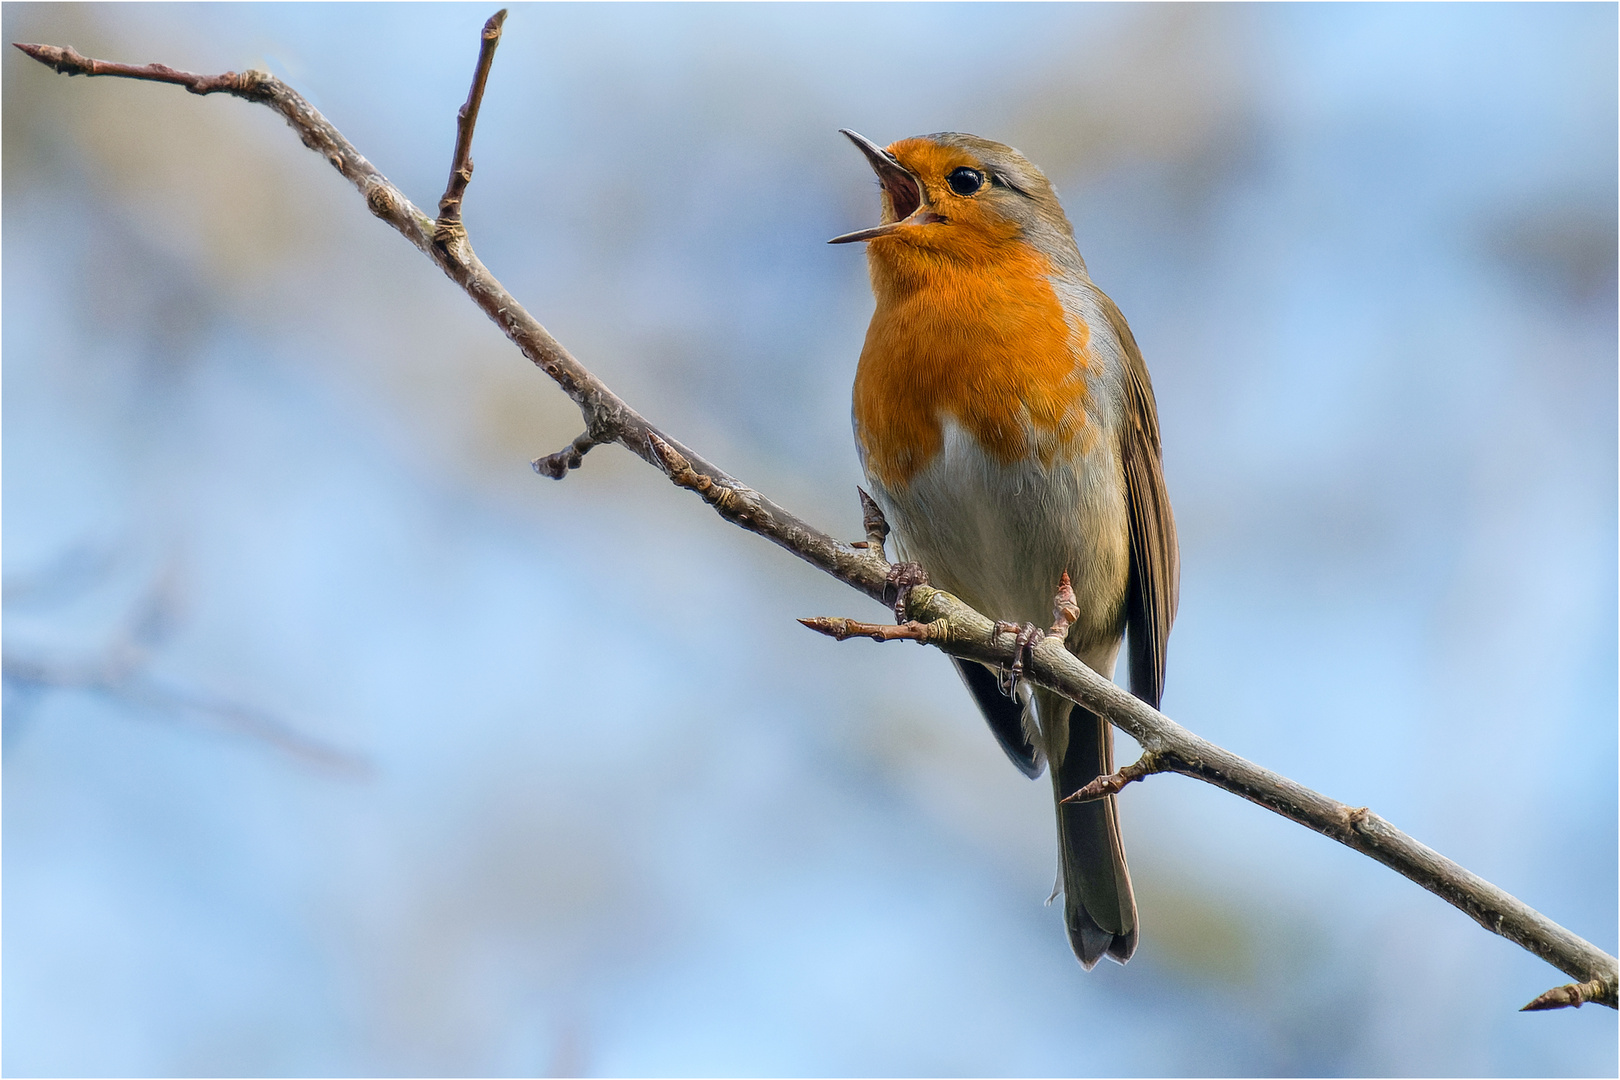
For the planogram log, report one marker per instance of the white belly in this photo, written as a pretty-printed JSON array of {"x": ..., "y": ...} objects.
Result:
[{"x": 1001, "y": 536}]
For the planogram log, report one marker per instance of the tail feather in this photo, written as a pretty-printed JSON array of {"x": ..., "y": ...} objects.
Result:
[{"x": 1098, "y": 903}]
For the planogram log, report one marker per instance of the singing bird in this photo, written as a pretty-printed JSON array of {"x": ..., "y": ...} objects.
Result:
[{"x": 1006, "y": 424}]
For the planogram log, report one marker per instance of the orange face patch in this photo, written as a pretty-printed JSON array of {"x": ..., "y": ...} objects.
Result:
[{"x": 969, "y": 230}]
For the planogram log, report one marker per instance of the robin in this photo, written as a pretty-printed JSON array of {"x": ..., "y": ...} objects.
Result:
[{"x": 1006, "y": 424}]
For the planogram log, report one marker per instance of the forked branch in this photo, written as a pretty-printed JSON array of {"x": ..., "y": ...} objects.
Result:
[{"x": 935, "y": 618}]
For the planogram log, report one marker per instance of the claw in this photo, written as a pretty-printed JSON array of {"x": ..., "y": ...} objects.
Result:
[
  {"x": 903, "y": 577},
  {"x": 1024, "y": 639}
]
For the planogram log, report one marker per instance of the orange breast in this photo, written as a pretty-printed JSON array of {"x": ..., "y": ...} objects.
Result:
[{"x": 980, "y": 341}]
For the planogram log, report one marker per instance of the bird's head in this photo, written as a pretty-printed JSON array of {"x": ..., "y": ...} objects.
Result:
[{"x": 961, "y": 197}]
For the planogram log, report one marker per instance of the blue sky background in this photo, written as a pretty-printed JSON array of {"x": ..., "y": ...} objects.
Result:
[{"x": 615, "y": 811}]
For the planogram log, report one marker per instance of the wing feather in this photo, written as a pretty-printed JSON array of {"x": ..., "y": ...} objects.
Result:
[
  {"x": 1005, "y": 716},
  {"x": 1155, "y": 559}
]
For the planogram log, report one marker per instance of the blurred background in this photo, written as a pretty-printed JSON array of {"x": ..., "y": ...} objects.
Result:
[{"x": 338, "y": 742}]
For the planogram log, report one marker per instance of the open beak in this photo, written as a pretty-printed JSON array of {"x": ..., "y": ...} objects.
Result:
[{"x": 905, "y": 194}]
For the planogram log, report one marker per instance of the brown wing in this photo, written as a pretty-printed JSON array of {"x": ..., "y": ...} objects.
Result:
[{"x": 1155, "y": 562}]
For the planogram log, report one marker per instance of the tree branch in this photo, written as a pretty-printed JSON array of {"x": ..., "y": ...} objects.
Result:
[
  {"x": 110, "y": 679},
  {"x": 1169, "y": 747},
  {"x": 937, "y": 618},
  {"x": 119, "y": 672}
]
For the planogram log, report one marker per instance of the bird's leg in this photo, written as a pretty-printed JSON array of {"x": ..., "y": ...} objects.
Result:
[
  {"x": 875, "y": 524},
  {"x": 1064, "y": 612},
  {"x": 1064, "y": 609},
  {"x": 903, "y": 576}
]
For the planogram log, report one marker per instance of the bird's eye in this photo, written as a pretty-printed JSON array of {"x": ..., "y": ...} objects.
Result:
[{"x": 965, "y": 181}]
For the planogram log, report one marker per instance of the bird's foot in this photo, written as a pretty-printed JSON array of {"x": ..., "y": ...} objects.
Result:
[
  {"x": 903, "y": 577},
  {"x": 1024, "y": 639},
  {"x": 1064, "y": 613}
]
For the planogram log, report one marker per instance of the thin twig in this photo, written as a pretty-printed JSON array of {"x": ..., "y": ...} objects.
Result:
[
  {"x": 119, "y": 671},
  {"x": 113, "y": 678},
  {"x": 67, "y": 61},
  {"x": 950, "y": 624},
  {"x": 461, "y": 166},
  {"x": 1114, "y": 782},
  {"x": 1572, "y": 996},
  {"x": 844, "y": 629},
  {"x": 571, "y": 456}
]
